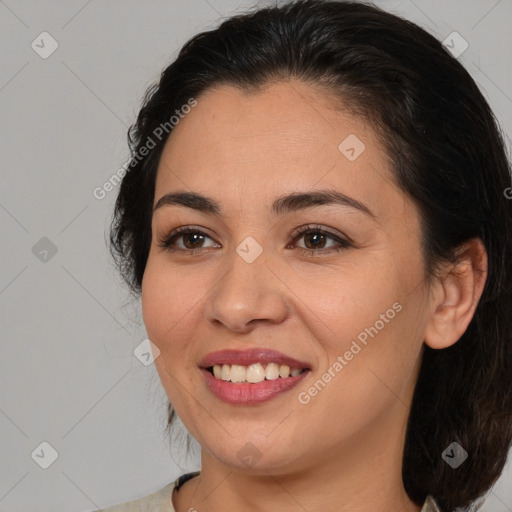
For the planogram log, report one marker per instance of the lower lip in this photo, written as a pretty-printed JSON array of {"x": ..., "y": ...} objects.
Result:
[{"x": 245, "y": 393}]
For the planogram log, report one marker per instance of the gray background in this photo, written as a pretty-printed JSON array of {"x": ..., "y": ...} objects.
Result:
[{"x": 69, "y": 375}]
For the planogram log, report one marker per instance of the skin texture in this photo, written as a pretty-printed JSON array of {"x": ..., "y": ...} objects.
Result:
[{"x": 343, "y": 450}]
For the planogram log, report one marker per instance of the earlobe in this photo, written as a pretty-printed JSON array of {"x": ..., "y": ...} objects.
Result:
[{"x": 456, "y": 296}]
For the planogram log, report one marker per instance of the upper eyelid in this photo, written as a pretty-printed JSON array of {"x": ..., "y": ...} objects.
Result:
[{"x": 297, "y": 231}]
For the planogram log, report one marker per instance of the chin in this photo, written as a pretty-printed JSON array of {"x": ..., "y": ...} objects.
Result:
[{"x": 254, "y": 458}]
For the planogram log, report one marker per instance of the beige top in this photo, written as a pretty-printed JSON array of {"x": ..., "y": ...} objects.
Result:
[{"x": 161, "y": 501}]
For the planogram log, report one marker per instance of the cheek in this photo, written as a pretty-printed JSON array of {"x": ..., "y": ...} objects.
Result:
[
  {"x": 151, "y": 301},
  {"x": 369, "y": 336},
  {"x": 165, "y": 302},
  {"x": 168, "y": 318},
  {"x": 377, "y": 363},
  {"x": 342, "y": 302},
  {"x": 172, "y": 302}
]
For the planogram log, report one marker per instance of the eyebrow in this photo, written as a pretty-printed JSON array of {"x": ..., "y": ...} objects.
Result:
[{"x": 282, "y": 205}]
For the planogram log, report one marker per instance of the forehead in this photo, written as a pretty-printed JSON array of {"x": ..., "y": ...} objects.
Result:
[{"x": 244, "y": 146}]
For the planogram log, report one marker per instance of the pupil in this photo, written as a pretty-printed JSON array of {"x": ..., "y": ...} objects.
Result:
[
  {"x": 314, "y": 236},
  {"x": 191, "y": 235}
]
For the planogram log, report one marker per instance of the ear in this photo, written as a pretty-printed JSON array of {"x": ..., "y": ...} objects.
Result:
[{"x": 455, "y": 296}]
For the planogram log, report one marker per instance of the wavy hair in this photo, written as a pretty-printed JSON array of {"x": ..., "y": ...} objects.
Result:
[{"x": 447, "y": 153}]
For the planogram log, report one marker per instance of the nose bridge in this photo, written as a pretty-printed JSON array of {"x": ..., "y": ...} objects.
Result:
[{"x": 248, "y": 290}]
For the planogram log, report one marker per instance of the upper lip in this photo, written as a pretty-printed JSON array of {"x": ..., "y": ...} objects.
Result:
[{"x": 248, "y": 357}]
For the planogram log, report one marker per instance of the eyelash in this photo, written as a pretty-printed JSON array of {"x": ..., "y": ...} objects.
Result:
[{"x": 166, "y": 241}]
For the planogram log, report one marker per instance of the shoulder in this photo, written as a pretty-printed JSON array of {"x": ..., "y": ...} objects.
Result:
[{"x": 159, "y": 501}]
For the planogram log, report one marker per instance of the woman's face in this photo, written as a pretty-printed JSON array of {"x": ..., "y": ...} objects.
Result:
[{"x": 355, "y": 318}]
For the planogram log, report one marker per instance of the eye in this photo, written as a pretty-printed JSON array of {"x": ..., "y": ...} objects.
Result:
[
  {"x": 314, "y": 235},
  {"x": 191, "y": 238}
]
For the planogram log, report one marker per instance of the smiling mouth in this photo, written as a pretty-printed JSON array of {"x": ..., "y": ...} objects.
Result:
[{"x": 253, "y": 373}]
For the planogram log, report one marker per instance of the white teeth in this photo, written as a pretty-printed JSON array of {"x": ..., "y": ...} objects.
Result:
[
  {"x": 284, "y": 371},
  {"x": 254, "y": 373},
  {"x": 237, "y": 373},
  {"x": 226, "y": 372},
  {"x": 272, "y": 371}
]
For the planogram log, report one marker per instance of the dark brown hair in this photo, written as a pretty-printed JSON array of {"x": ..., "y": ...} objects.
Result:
[{"x": 447, "y": 154}]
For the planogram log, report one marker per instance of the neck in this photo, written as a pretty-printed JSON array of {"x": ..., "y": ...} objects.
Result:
[{"x": 362, "y": 475}]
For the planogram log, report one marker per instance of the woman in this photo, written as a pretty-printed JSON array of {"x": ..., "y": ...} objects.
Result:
[{"x": 315, "y": 217}]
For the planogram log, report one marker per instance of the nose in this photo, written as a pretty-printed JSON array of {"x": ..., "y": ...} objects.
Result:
[{"x": 246, "y": 294}]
